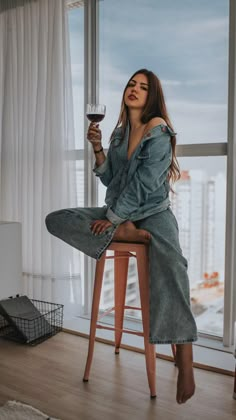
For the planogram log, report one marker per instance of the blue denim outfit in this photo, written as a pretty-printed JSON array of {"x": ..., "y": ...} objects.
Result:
[
  {"x": 137, "y": 187},
  {"x": 137, "y": 190}
]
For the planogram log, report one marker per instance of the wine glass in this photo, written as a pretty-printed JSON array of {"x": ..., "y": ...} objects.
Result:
[{"x": 95, "y": 112}]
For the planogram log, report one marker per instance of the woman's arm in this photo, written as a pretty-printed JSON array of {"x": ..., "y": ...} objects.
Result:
[{"x": 102, "y": 167}]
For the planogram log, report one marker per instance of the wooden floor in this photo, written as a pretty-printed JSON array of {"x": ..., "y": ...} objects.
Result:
[{"x": 49, "y": 377}]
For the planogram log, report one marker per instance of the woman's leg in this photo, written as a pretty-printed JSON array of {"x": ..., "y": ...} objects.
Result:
[
  {"x": 73, "y": 226},
  {"x": 185, "y": 381},
  {"x": 171, "y": 319}
]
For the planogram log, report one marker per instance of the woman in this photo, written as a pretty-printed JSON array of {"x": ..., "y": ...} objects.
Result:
[{"x": 137, "y": 172}]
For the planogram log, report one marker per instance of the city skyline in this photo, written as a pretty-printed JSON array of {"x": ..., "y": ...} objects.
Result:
[{"x": 199, "y": 203}]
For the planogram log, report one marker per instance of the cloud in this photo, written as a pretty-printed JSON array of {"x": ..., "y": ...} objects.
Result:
[
  {"x": 112, "y": 74},
  {"x": 197, "y": 82},
  {"x": 215, "y": 28},
  {"x": 155, "y": 21},
  {"x": 188, "y": 47},
  {"x": 198, "y": 122}
]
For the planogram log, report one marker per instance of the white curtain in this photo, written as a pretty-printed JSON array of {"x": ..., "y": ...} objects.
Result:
[{"x": 36, "y": 130}]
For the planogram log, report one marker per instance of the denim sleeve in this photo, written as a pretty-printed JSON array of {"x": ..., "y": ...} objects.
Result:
[
  {"x": 149, "y": 176},
  {"x": 104, "y": 171}
]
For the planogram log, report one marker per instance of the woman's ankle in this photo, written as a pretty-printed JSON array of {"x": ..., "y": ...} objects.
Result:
[
  {"x": 128, "y": 232},
  {"x": 184, "y": 354}
]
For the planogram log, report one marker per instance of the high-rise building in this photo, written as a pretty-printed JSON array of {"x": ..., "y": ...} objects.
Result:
[
  {"x": 199, "y": 206},
  {"x": 188, "y": 205}
]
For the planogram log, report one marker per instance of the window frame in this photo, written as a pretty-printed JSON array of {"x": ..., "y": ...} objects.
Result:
[
  {"x": 230, "y": 263},
  {"x": 91, "y": 93}
]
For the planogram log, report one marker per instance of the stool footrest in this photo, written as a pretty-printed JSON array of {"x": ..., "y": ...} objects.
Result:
[
  {"x": 103, "y": 327},
  {"x": 135, "y": 308},
  {"x": 122, "y": 255}
]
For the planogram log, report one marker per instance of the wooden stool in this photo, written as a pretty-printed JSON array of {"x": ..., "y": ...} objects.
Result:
[{"x": 122, "y": 252}]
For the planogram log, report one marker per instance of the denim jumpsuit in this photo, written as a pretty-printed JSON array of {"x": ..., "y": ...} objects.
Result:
[{"x": 138, "y": 190}]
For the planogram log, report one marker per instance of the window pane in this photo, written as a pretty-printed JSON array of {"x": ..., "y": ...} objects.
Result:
[
  {"x": 199, "y": 203},
  {"x": 76, "y": 29},
  {"x": 186, "y": 43},
  {"x": 190, "y": 56},
  {"x": 80, "y": 183}
]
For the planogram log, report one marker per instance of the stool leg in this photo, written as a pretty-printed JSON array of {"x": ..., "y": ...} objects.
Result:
[
  {"x": 173, "y": 347},
  {"x": 120, "y": 279},
  {"x": 150, "y": 351},
  {"x": 94, "y": 313}
]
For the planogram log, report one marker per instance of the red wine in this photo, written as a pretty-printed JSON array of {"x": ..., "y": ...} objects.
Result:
[{"x": 95, "y": 117}]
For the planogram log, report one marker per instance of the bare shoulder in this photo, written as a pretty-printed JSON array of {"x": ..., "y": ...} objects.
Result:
[{"x": 155, "y": 121}]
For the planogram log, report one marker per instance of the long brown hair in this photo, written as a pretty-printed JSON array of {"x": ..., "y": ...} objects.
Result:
[{"x": 155, "y": 107}]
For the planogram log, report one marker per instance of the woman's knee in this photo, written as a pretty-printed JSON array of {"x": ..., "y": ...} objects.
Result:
[{"x": 51, "y": 220}]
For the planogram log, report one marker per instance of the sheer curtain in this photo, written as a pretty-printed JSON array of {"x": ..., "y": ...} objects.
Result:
[{"x": 36, "y": 130}]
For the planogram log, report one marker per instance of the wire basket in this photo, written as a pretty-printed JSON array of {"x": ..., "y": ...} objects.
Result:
[{"x": 44, "y": 321}]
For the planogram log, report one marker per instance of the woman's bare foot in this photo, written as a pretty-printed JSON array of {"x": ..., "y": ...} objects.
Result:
[
  {"x": 185, "y": 381},
  {"x": 128, "y": 232}
]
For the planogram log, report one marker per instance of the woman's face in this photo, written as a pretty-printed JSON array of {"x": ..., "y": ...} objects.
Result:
[{"x": 136, "y": 93}]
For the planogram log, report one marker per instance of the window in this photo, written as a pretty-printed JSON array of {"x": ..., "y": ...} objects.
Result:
[
  {"x": 199, "y": 204},
  {"x": 187, "y": 46}
]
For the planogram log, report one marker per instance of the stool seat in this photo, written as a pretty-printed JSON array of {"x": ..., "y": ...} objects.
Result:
[{"x": 122, "y": 252}]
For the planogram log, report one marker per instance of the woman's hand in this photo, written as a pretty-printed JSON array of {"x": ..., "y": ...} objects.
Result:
[
  {"x": 99, "y": 226},
  {"x": 94, "y": 135}
]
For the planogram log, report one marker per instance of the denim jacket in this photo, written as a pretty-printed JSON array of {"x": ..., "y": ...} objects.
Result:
[{"x": 137, "y": 187}]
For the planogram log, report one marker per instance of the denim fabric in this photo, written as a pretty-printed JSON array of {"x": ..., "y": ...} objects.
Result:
[
  {"x": 73, "y": 227},
  {"x": 137, "y": 187},
  {"x": 137, "y": 190},
  {"x": 171, "y": 319}
]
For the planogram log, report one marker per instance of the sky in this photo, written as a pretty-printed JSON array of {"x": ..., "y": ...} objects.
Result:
[{"x": 185, "y": 42}]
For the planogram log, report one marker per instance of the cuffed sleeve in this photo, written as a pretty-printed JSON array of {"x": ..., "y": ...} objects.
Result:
[
  {"x": 113, "y": 218},
  {"x": 104, "y": 171}
]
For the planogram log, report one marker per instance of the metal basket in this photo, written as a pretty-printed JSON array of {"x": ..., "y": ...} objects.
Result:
[{"x": 45, "y": 321}]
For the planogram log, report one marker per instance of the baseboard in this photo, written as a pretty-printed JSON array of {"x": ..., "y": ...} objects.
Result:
[{"x": 212, "y": 360}]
